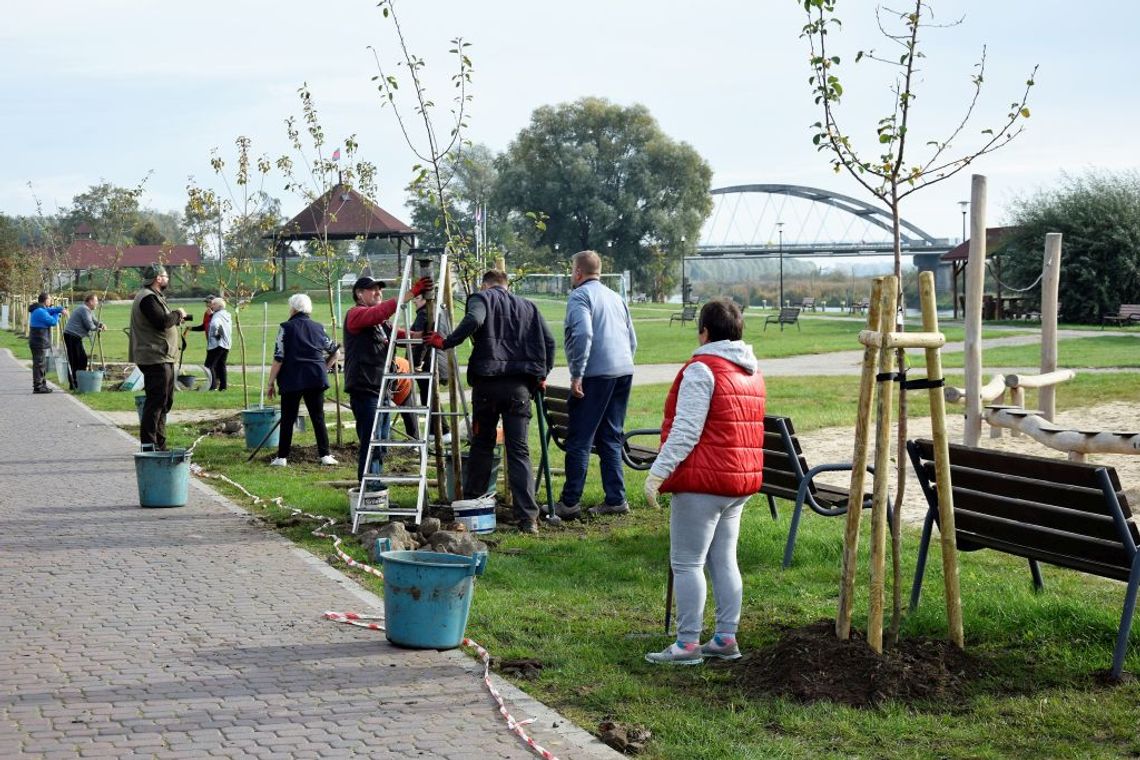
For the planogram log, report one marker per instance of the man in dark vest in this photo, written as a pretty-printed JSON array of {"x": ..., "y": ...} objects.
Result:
[
  {"x": 154, "y": 345},
  {"x": 365, "y": 347},
  {"x": 42, "y": 317},
  {"x": 513, "y": 354}
]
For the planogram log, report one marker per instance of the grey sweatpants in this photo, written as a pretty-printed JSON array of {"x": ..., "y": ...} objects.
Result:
[{"x": 703, "y": 531}]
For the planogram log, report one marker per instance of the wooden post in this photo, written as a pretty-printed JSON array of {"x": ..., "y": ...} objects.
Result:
[
  {"x": 453, "y": 385},
  {"x": 975, "y": 286},
  {"x": 858, "y": 468},
  {"x": 1050, "y": 283},
  {"x": 882, "y": 478},
  {"x": 941, "y": 465}
]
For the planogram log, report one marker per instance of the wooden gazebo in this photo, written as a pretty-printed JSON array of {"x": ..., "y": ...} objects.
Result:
[
  {"x": 996, "y": 237},
  {"x": 342, "y": 214}
]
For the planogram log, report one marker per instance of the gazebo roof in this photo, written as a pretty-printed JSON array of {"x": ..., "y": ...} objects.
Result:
[
  {"x": 346, "y": 215},
  {"x": 995, "y": 238},
  {"x": 88, "y": 254}
]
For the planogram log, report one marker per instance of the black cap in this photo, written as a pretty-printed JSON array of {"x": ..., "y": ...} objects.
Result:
[{"x": 366, "y": 283}]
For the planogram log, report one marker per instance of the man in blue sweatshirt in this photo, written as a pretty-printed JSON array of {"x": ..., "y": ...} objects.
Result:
[
  {"x": 44, "y": 316},
  {"x": 600, "y": 343}
]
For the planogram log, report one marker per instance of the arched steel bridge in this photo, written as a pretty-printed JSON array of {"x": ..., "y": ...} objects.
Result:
[{"x": 761, "y": 220}]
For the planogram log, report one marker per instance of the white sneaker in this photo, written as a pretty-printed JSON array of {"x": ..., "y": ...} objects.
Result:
[
  {"x": 329, "y": 459},
  {"x": 279, "y": 462},
  {"x": 445, "y": 440}
]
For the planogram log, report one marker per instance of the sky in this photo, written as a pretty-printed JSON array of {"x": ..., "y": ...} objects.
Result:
[{"x": 119, "y": 90}]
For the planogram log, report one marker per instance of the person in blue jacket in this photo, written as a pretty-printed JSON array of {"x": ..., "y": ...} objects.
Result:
[{"x": 44, "y": 316}]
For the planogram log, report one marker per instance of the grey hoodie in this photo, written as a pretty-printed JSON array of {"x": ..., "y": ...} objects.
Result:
[{"x": 693, "y": 397}]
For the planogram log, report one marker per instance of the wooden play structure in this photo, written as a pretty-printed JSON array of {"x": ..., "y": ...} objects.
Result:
[{"x": 1038, "y": 425}]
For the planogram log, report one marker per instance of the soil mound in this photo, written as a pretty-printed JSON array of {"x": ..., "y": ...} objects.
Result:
[{"x": 810, "y": 664}]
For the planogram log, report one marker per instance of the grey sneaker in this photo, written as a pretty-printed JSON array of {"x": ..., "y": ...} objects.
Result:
[
  {"x": 528, "y": 526},
  {"x": 721, "y": 648},
  {"x": 676, "y": 654},
  {"x": 567, "y": 513},
  {"x": 610, "y": 509}
]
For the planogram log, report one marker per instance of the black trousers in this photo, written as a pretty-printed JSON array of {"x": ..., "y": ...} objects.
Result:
[
  {"x": 39, "y": 368},
  {"x": 290, "y": 404},
  {"x": 76, "y": 358},
  {"x": 216, "y": 364},
  {"x": 509, "y": 399},
  {"x": 158, "y": 382},
  {"x": 423, "y": 385}
]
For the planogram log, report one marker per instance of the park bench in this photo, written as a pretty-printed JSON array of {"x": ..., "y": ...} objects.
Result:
[
  {"x": 1068, "y": 514},
  {"x": 860, "y": 307},
  {"x": 557, "y": 405},
  {"x": 787, "y": 475},
  {"x": 1128, "y": 314},
  {"x": 807, "y": 303},
  {"x": 686, "y": 314},
  {"x": 789, "y": 315}
]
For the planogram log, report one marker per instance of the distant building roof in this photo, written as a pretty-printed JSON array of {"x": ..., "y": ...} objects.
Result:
[
  {"x": 347, "y": 215},
  {"x": 87, "y": 254},
  {"x": 995, "y": 239}
]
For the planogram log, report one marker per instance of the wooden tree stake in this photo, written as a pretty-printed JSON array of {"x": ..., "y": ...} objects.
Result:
[
  {"x": 882, "y": 479},
  {"x": 859, "y": 467},
  {"x": 942, "y": 465}
]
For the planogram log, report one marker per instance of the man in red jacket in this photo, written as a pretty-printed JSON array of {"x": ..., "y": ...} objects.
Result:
[{"x": 712, "y": 461}]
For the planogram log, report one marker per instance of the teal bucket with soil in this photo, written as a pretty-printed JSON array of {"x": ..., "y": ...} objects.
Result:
[
  {"x": 427, "y": 597},
  {"x": 261, "y": 428},
  {"x": 89, "y": 381},
  {"x": 163, "y": 477}
]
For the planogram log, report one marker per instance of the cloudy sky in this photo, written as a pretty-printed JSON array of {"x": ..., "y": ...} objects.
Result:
[{"x": 114, "y": 89}]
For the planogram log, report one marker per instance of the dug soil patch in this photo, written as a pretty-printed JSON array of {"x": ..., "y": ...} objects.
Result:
[{"x": 810, "y": 664}]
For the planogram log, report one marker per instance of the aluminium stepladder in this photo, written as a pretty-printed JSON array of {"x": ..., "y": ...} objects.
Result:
[{"x": 387, "y": 409}]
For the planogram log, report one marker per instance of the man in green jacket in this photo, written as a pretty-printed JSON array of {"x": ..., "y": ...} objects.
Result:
[{"x": 153, "y": 347}]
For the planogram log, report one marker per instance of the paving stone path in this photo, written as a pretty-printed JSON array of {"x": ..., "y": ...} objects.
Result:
[{"x": 192, "y": 632}]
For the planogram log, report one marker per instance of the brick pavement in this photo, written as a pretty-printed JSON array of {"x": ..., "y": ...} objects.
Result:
[{"x": 192, "y": 632}]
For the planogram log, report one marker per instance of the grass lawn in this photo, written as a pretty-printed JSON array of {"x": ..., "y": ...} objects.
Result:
[
  {"x": 587, "y": 600},
  {"x": 1102, "y": 351}
]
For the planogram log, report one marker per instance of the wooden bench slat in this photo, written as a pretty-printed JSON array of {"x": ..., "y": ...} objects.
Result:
[
  {"x": 1100, "y": 526},
  {"x": 1036, "y": 537},
  {"x": 1079, "y": 498},
  {"x": 1024, "y": 465},
  {"x": 970, "y": 542}
]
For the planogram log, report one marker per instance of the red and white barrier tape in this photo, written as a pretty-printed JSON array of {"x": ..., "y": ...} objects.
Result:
[{"x": 362, "y": 621}]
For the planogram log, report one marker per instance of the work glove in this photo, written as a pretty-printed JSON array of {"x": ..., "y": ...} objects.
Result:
[
  {"x": 433, "y": 339},
  {"x": 652, "y": 488},
  {"x": 422, "y": 284},
  {"x": 542, "y": 385}
]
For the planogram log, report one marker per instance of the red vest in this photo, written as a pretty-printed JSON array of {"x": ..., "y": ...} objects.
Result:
[{"x": 728, "y": 460}]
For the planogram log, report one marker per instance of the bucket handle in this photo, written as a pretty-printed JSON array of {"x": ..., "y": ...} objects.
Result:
[{"x": 146, "y": 447}]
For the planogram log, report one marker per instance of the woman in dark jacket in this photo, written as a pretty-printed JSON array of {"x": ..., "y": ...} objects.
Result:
[{"x": 301, "y": 360}]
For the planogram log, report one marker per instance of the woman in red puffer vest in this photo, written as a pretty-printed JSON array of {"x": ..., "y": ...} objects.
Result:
[{"x": 712, "y": 461}]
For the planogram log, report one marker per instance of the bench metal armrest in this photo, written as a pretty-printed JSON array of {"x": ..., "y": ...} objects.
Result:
[
  {"x": 629, "y": 460},
  {"x": 805, "y": 496}
]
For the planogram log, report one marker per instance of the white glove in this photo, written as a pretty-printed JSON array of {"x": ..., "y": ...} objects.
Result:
[{"x": 652, "y": 487}]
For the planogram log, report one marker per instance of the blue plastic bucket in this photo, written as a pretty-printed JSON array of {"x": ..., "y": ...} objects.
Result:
[
  {"x": 258, "y": 424},
  {"x": 140, "y": 401},
  {"x": 89, "y": 381},
  {"x": 427, "y": 597},
  {"x": 163, "y": 477}
]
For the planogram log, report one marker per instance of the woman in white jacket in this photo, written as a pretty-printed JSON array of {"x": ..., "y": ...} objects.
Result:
[{"x": 218, "y": 344}]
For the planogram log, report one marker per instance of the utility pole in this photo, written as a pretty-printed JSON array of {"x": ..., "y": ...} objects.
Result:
[{"x": 780, "y": 230}]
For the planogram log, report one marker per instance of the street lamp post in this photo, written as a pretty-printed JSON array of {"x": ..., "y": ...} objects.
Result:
[
  {"x": 684, "y": 290},
  {"x": 780, "y": 231},
  {"x": 954, "y": 265}
]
